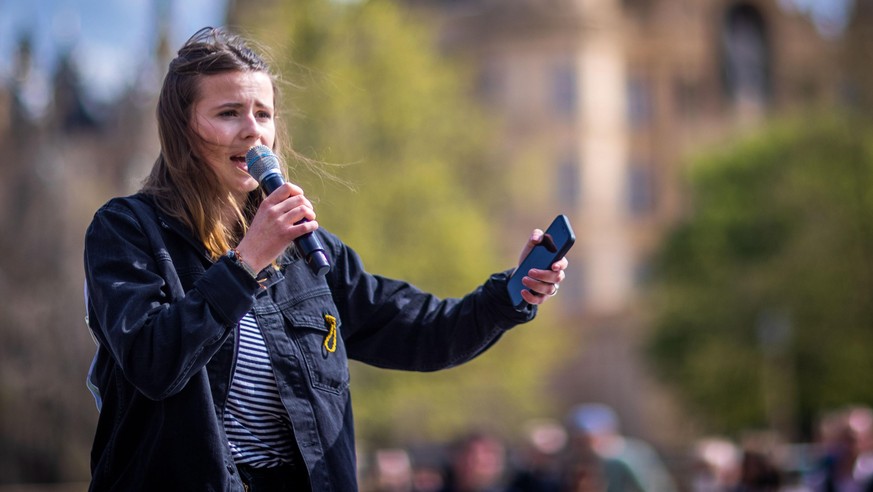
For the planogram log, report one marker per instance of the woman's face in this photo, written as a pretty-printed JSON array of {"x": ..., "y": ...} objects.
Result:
[{"x": 233, "y": 113}]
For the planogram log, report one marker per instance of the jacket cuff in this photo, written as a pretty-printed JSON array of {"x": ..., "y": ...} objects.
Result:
[
  {"x": 228, "y": 289},
  {"x": 497, "y": 295}
]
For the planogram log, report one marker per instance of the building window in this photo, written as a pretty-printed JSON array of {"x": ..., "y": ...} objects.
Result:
[
  {"x": 640, "y": 190},
  {"x": 490, "y": 82},
  {"x": 687, "y": 99},
  {"x": 745, "y": 58},
  {"x": 642, "y": 274},
  {"x": 569, "y": 184},
  {"x": 575, "y": 289},
  {"x": 639, "y": 102},
  {"x": 564, "y": 91},
  {"x": 640, "y": 8}
]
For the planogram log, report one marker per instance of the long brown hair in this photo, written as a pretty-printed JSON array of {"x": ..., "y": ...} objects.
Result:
[{"x": 183, "y": 186}]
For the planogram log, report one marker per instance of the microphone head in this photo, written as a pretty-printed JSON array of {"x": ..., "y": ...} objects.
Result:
[{"x": 261, "y": 161}]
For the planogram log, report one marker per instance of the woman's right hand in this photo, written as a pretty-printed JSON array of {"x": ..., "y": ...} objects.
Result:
[{"x": 276, "y": 225}]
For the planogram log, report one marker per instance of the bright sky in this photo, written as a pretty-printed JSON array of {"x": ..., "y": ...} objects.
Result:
[
  {"x": 111, "y": 37},
  {"x": 830, "y": 16}
]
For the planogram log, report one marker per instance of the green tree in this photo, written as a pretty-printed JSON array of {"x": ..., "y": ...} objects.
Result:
[
  {"x": 368, "y": 90},
  {"x": 781, "y": 229}
]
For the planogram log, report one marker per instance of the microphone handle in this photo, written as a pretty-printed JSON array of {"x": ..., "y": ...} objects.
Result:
[{"x": 308, "y": 244}]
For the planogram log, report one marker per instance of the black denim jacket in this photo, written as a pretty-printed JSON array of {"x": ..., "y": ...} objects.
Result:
[{"x": 164, "y": 315}]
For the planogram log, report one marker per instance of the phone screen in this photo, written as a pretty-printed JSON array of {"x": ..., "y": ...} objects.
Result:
[{"x": 556, "y": 242}]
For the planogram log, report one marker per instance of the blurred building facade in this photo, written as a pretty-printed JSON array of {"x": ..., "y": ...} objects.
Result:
[
  {"x": 601, "y": 102},
  {"x": 614, "y": 94}
]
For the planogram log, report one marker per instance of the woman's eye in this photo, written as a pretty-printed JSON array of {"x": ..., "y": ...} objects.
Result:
[
  {"x": 264, "y": 115},
  {"x": 227, "y": 113}
]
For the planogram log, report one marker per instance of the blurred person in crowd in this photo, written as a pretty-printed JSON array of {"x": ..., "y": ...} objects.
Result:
[
  {"x": 846, "y": 438},
  {"x": 861, "y": 421},
  {"x": 222, "y": 360},
  {"x": 628, "y": 463},
  {"x": 428, "y": 467},
  {"x": 477, "y": 464},
  {"x": 716, "y": 465},
  {"x": 539, "y": 467},
  {"x": 428, "y": 477},
  {"x": 583, "y": 470},
  {"x": 758, "y": 473},
  {"x": 393, "y": 470}
]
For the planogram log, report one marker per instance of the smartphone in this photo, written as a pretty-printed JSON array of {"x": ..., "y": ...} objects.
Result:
[{"x": 557, "y": 241}]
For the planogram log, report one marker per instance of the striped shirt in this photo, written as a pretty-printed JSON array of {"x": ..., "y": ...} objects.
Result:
[{"x": 257, "y": 424}]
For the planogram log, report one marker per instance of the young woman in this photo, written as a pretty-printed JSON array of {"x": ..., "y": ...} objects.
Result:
[{"x": 222, "y": 360}]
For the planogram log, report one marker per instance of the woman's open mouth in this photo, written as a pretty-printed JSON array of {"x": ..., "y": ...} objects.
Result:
[{"x": 240, "y": 160}]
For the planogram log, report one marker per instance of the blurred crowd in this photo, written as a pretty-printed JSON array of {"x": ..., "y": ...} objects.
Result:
[{"x": 589, "y": 453}]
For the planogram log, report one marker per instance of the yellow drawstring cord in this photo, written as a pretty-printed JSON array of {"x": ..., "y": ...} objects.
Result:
[{"x": 330, "y": 339}]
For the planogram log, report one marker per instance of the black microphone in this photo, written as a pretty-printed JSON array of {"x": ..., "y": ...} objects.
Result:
[{"x": 264, "y": 166}]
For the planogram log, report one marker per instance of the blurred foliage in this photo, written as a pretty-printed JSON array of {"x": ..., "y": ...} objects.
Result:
[
  {"x": 772, "y": 273},
  {"x": 371, "y": 99}
]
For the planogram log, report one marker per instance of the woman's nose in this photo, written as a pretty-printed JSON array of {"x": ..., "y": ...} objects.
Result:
[{"x": 251, "y": 130}]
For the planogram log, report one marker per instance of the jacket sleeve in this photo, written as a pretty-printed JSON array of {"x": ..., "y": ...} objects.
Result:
[
  {"x": 392, "y": 324},
  {"x": 156, "y": 333}
]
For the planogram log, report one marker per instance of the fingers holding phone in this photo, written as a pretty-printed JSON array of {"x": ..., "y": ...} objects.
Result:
[{"x": 541, "y": 268}]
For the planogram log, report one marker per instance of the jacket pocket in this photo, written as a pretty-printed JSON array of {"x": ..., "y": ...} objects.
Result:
[{"x": 315, "y": 327}]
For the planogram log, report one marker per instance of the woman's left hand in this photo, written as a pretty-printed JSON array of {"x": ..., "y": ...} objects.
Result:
[{"x": 543, "y": 284}]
